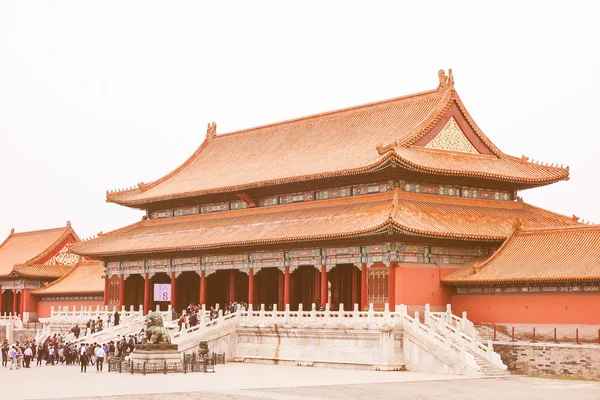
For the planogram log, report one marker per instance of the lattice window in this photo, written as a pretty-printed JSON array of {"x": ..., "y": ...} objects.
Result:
[{"x": 378, "y": 285}]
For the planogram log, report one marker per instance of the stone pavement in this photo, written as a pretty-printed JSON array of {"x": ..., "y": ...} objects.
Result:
[{"x": 270, "y": 382}]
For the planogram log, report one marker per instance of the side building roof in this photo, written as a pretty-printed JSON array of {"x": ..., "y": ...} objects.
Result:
[
  {"x": 558, "y": 254},
  {"x": 29, "y": 252},
  {"x": 418, "y": 215},
  {"x": 85, "y": 277},
  {"x": 351, "y": 141}
]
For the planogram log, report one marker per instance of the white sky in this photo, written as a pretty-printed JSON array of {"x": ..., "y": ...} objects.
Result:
[{"x": 102, "y": 95}]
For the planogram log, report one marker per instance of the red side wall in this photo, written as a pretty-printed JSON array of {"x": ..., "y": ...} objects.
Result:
[
  {"x": 44, "y": 307},
  {"x": 419, "y": 284},
  {"x": 30, "y": 302},
  {"x": 530, "y": 308}
]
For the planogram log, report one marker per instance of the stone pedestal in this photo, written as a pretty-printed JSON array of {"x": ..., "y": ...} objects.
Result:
[{"x": 154, "y": 353}]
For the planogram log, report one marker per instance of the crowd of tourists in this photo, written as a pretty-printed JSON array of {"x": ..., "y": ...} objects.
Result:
[
  {"x": 56, "y": 350},
  {"x": 192, "y": 314}
]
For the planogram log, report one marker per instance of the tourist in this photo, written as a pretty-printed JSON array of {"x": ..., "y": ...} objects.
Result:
[
  {"x": 111, "y": 352},
  {"x": 117, "y": 317},
  {"x": 100, "y": 354},
  {"x": 108, "y": 317},
  {"x": 33, "y": 349},
  {"x": 91, "y": 356},
  {"x": 83, "y": 358},
  {"x": 28, "y": 356},
  {"x": 5, "y": 350},
  {"x": 76, "y": 330},
  {"x": 20, "y": 356},
  {"x": 40, "y": 354},
  {"x": 99, "y": 325},
  {"x": 12, "y": 355},
  {"x": 93, "y": 326},
  {"x": 141, "y": 335},
  {"x": 50, "y": 359}
]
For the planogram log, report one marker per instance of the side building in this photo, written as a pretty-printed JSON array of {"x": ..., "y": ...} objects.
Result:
[
  {"x": 371, "y": 204},
  {"x": 28, "y": 260}
]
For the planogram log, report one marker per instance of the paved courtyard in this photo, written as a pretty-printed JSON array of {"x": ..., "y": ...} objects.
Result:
[{"x": 269, "y": 382}]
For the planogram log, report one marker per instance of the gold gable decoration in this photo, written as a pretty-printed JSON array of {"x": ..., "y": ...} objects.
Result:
[
  {"x": 451, "y": 137},
  {"x": 64, "y": 257}
]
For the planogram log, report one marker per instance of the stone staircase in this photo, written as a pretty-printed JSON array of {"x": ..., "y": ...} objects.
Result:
[
  {"x": 465, "y": 334},
  {"x": 445, "y": 343},
  {"x": 487, "y": 369}
]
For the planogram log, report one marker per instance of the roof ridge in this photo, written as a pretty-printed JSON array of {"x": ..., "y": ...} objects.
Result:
[
  {"x": 62, "y": 278},
  {"x": 490, "y": 203},
  {"x": 337, "y": 112},
  {"x": 211, "y": 138},
  {"x": 68, "y": 230},
  {"x": 494, "y": 255},
  {"x": 552, "y": 213},
  {"x": 38, "y": 231},
  {"x": 560, "y": 229},
  {"x": 281, "y": 208}
]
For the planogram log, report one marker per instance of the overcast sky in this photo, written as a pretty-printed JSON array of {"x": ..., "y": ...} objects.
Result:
[{"x": 103, "y": 95}]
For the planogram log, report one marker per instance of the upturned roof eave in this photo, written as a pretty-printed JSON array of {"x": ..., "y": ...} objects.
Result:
[
  {"x": 386, "y": 160},
  {"x": 389, "y": 226}
]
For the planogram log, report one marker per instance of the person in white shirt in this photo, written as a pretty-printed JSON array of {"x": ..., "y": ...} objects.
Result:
[
  {"x": 100, "y": 354},
  {"x": 28, "y": 355},
  {"x": 83, "y": 358}
]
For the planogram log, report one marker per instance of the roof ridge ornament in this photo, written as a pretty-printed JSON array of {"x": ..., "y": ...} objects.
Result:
[
  {"x": 381, "y": 149},
  {"x": 446, "y": 80},
  {"x": 211, "y": 131},
  {"x": 518, "y": 224}
]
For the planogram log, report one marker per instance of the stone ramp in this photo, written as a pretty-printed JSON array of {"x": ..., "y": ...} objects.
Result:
[{"x": 486, "y": 332}]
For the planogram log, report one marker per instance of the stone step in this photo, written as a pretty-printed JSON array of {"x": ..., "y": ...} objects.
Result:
[{"x": 489, "y": 369}]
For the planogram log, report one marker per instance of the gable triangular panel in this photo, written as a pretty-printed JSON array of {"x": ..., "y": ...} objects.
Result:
[
  {"x": 453, "y": 132},
  {"x": 451, "y": 137}
]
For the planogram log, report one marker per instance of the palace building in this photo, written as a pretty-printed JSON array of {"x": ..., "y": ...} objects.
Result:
[
  {"x": 400, "y": 201},
  {"x": 29, "y": 260}
]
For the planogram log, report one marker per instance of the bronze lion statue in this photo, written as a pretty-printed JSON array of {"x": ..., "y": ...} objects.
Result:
[{"x": 156, "y": 333}]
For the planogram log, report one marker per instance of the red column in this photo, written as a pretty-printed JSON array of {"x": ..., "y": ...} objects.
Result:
[
  {"x": 106, "y": 279},
  {"x": 363, "y": 287},
  {"x": 315, "y": 293},
  {"x": 146, "y": 293},
  {"x": 280, "y": 293},
  {"x": 121, "y": 290},
  {"x": 355, "y": 296},
  {"x": 324, "y": 299},
  {"x": 251, "y": 286},
  {"x": 14, "y": 310},
  {"x": 0, "y": 300},
  {"x": 23, "y": 296},
  {"x": 286, "y": 287},
  {"x": 202, "y": 287},
  {"x": 173, "y": 291},
  {"x": 232, "y": 285},
  {"x": 392, "y": 286}
]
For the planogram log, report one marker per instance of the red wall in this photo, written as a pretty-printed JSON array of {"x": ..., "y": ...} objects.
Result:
[
  {"x": 530, "y": 308},
  {"x": 44, "y": 307},
  {"x": 29, "y": 302},
  {"x": 419, "y": 284}
]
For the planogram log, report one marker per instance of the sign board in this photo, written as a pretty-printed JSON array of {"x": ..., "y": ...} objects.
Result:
[{"x": 162, "y": 292}]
